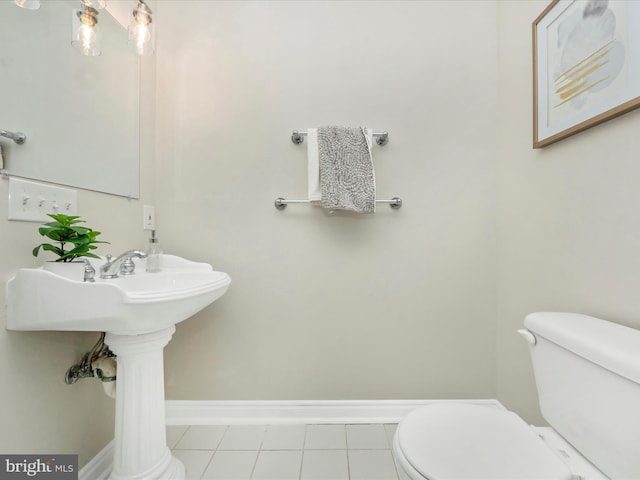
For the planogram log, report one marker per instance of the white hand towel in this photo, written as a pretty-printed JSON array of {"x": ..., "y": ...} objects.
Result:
[
  {"x": 313, "y": 166},
  {"x": 368, "y": 136}
]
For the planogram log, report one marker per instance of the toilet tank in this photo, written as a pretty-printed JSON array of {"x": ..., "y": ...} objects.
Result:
[{"x": 587, "y": 373}]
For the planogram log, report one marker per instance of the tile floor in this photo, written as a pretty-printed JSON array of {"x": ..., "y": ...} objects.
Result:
[{"x": 285, "y": 452}]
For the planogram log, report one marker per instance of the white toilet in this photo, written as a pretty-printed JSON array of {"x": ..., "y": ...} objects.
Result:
[{"x": 588, "y": 377}]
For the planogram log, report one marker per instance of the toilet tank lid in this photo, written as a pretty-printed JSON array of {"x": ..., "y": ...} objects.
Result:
[{"x": 613, "y": 346}]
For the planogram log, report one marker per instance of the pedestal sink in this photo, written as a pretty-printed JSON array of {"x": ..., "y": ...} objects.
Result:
[{"x": 139, "y": 314}]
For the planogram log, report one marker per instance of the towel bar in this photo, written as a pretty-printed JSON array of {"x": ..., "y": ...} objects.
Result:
[
  {"x": 382, "y": 138},
  {"x": 281, "y": 203}
]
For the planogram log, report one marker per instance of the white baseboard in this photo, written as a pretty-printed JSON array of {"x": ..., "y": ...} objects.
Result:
[
  {"x": 213, "y": 412},
  {"x": 206, "y": 412},
  {"x": 99, "y": 467}
]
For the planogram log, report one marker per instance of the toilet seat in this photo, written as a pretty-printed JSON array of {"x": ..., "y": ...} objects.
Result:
[{"x": 460, "y": 441}]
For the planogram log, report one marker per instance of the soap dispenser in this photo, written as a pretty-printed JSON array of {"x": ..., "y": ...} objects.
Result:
[{"x": 154, "y": 254}]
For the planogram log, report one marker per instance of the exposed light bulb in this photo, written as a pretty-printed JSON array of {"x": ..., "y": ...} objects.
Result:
[
  {"x": 141, "y": 32},
  {"x": 28, "y": 4},
  {"x": 85, "y": 35},
  {"x": 141, "y": 35}
]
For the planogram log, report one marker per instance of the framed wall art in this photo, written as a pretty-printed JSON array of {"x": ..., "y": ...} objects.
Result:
[{"x": 586, "y": 66}]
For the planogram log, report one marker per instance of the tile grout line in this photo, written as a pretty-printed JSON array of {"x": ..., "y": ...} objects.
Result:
[
  {"x": 346, "y": 444},
  {"x": 304, "y": 444},
  {"x": 181, "y": 436},
  {"x": 213, "y": 454},
  {"x": 206, "y": 466},
  {"x": 255, "y": 463}
]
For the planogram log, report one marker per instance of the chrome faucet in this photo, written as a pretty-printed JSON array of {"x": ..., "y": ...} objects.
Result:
[{"x": 123, "y": 264}]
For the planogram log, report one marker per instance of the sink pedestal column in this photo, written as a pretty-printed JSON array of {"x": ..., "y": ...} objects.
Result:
[{"x": 140, "y": 443}]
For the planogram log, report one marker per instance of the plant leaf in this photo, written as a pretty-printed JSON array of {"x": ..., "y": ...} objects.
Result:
[
  {"x": 65, "y": 220},
  {"x": 80, "y": 230},
  {"x": 48, "y": 247}
]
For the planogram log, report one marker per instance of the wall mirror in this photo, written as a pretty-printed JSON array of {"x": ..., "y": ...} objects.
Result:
[{"x": 80, "y": 114}]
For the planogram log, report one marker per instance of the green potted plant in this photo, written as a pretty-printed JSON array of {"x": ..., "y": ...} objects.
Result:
[{"x": 71, "y": 241}]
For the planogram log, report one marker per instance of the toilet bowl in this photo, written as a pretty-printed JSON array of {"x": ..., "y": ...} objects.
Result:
[
  {"x": 587, "y": 375},
  {"x": 465, "y": 441}
]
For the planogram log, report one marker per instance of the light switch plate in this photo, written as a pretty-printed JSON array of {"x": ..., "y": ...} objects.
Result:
[
  {"x": 32, "y": 201},
  {"x": 149, "y": 217}
]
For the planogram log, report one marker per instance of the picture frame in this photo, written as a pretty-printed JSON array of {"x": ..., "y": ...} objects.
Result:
[{"x": 586, "y": 66}]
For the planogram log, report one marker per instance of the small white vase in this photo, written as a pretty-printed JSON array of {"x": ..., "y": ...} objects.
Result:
[{"x": 70, "y": 270}]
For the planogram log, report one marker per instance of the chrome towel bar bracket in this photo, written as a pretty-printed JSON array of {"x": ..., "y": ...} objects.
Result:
[
  {"x": 382, "y": 138},
  {"x": 17, "y": 137},
  {"x": 281, "y": 203}
]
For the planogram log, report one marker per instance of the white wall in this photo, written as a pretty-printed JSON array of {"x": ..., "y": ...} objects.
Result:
[
  {"x": 396, "y": 305},
  {"x": 569, "y": 221}
]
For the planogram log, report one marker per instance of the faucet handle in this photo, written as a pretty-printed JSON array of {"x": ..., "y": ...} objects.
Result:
[
  {"x": 89, "y": 271},
  {"x": 128, "y": 267}
]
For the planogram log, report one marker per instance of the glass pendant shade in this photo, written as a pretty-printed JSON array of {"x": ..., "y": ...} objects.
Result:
[
  {"x": 28, "y": 4},
  {"x": 85, "y": 35},
  {"x": 97, "y": 4},
  {"x": 141, "y": 29}
]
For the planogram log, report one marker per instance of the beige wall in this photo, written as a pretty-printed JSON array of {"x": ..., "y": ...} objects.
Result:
[
  {"x": 569, "y": 221},
  {"x": 396, "y": 305},
  {"x": 39, "y": 413}
]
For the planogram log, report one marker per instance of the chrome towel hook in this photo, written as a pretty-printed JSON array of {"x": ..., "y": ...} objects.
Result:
[{"x": 17, "y": 137}]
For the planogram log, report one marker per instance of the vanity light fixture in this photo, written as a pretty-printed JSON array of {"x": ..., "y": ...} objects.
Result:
[
  {"x": 85, "y": 34},
  {"x": 28, "y": 4},
  {"x": 141, "y": 29}
]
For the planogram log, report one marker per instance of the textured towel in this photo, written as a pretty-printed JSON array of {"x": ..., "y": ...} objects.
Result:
[{"x": 347, "y": 179}]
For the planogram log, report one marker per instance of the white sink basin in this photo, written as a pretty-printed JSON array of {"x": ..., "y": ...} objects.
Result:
[
  {"x": 128, "y": 305},
  {"x": 139, "y": 313}
]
